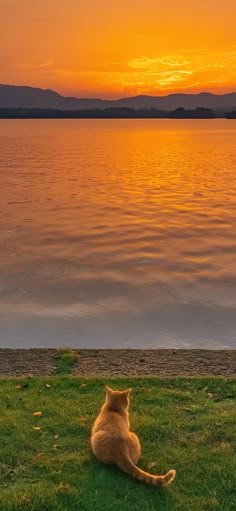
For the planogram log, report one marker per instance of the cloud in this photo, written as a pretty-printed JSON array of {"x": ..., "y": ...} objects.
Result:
[
  {"x": 37, "y": 67},
  {"x": 173, "y": 63},
  {"x": 144, "y": 63},
  {"x": 196, "y": 59}
]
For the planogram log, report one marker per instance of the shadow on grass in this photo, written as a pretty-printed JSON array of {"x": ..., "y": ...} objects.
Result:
[{"x": 107, "y": 489}]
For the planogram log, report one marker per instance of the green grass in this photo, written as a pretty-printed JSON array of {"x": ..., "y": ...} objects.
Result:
[
  {"x": 66, "y": 358},
  {"x": 186, "y": 424}
]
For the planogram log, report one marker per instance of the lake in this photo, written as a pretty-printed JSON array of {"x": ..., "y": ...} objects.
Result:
[{"x": 118, "y": 233}]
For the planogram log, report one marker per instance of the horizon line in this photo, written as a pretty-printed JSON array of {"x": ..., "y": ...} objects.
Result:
[{"x": 124, "y": 97}]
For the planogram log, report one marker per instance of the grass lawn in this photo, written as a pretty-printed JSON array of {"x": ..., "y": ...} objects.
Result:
[{"x": 186, "y": 424}]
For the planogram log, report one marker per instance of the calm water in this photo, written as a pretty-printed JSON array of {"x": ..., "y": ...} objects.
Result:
[{"x": 118, "y": 233}]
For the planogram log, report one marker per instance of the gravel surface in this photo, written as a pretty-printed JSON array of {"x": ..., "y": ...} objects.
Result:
[
  {"x": 42, "y": 362},
  {"x": 33, "y": 362}
]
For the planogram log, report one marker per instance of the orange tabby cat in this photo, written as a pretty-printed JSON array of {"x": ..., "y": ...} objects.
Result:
[{"x": 113, "y": 442}]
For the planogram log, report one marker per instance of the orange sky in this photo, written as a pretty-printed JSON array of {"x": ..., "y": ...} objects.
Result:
[{"x": 117, "y": 48}]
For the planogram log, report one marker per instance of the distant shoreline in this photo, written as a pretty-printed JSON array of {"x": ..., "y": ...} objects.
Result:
[
  {"x": 124, "y": 362},
  {"x": 113, "y": 113}
]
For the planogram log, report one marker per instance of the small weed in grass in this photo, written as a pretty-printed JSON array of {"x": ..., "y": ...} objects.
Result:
[{"x": 65, "y": 360}]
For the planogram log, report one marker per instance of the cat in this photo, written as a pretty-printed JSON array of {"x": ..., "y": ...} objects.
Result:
[{"x": 112, "y": 441}]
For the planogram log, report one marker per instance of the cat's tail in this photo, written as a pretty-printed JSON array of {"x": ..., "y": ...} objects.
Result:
[{"x": 126, "y": 464}]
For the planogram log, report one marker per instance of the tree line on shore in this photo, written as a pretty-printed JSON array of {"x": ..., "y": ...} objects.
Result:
[{"x": 113, "y": 113}]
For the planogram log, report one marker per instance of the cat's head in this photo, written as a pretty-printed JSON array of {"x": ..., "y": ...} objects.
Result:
[{"x": 117, "y": 400}]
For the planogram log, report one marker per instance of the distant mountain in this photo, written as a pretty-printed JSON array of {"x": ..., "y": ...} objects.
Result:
[{"x": 14, "y": 96}]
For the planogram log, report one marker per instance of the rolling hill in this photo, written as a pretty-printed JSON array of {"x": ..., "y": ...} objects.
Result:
[{"x": 13, "y": 96}]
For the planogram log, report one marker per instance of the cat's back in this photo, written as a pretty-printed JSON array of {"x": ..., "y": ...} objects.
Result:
[{"x": 109, "y": 423}]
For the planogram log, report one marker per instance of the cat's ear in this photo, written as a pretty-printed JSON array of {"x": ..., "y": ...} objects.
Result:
[
  {"x": 108, "y": 390},
  {"x": 128, "y": 391}
]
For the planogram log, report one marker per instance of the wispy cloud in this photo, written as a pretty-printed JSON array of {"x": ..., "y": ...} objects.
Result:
[
  {"x": 145, "y": 63},
  {"x": 187, "y": 67},
  {"x": 37, "y": 66},
  {"x": 173, "y": 63},
  {"x": 197, "y": 59}
]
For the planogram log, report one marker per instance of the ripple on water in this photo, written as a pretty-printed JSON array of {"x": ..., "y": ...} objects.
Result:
[{"x": 118, "y": 233}]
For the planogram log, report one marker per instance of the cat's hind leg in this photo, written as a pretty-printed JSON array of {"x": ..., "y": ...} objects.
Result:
[{"x": 134, "y": 447}]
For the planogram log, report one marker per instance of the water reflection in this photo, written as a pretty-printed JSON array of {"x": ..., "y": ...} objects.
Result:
[{"x": 118, "y": 232}]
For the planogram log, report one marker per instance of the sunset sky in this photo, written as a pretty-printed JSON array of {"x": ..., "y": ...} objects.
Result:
[{"x": 117, "y": 48}]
